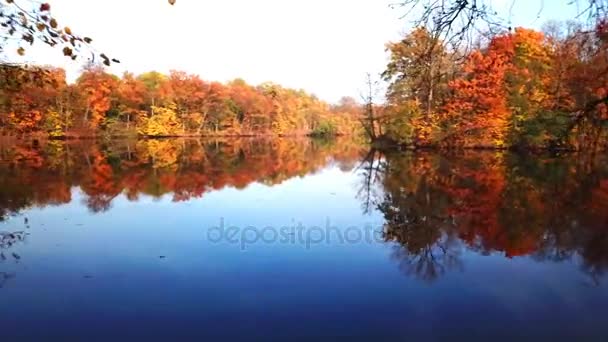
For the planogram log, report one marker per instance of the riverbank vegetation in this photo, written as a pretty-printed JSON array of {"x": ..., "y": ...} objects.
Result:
[
  {"x": 40, "y": 101},
  {"x": 521, "y": 89},
  {"x": 503, "y": 88}
]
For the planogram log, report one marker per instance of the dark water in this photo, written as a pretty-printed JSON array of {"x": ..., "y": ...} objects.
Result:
[{"x": 299, "y": 239}]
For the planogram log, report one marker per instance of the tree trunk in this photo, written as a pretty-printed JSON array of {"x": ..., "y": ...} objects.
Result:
[
  {"x": 429, "y": 99},
  {"x": 86, "y": 113},
  {"x": 202, "y": 124}
]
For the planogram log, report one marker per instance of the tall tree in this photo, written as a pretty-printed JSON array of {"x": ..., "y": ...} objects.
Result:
[{"x": 97, "y": 88}]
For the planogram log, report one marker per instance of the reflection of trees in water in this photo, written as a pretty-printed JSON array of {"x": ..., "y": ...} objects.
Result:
[
  {"x": 428, "y": 261},
  {"x": 548, "y": 208},
  {"x": 44, "y": 174},
  {"x": 595, "y": 256},
  {"x": 371, "y": 171},
  {"x": 413, "y": 215},
  {"x": 184, "y": 168}
]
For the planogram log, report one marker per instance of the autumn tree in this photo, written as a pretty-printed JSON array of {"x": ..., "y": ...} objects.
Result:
[
  {"x": 153, "y": 82},
  {"x": 418, "y": 70},
  {"x": 100, "y": 103},
  {"x": 97, "y": 89},
  {"x": 216, "y": 109},
  {"x": 131, "y": 98},
  {"x": 186, "y": 92},
  {"x": 27, "y": 94},
  {"x": 588, "y": 88},
  {"x": 528, "y": 83},
  {"x": 249, "y": 105},
  {"x": 457, "y": 21}
]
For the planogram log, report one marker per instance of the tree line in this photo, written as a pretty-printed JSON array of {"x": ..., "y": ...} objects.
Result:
[
  {"x": 514, "y": 88},
  {"x": 36, "y": 100},
  {"x": 519, "y": 88}
]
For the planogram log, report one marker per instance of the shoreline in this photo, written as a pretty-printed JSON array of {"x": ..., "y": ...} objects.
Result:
[
  {"x": 380, "y": 146},
  {"x": 160, "y": 137},
  {"x": 386, "y": 145}
]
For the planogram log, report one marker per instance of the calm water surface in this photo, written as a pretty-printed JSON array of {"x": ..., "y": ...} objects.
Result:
[{"x": 299, "y": 239}]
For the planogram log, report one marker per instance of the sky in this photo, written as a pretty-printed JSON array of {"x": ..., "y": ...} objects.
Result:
[{"x": 322, "y": 46}]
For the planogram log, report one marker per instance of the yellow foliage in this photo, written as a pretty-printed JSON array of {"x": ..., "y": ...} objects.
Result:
[{"x": 164, "y": 122}]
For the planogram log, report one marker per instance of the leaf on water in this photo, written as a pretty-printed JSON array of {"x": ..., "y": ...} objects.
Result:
[
  {"x": 67, "y": 51},
  {"x": 45, "y": 7},
  {"x": 68, "y": 30},
  {"x": 21, "y": 51},
  {"x": 88, "y": 40},
  {"x": 53, "y": 23}
]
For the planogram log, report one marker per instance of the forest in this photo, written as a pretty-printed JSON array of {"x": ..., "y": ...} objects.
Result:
[
  {"x": 38, "y": 100},
  {"x": 518, "y": 88},
  {"x": 506, "y": 87}
]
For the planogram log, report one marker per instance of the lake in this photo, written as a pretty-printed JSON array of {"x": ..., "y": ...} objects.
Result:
[{"x": 254, "y": 239}]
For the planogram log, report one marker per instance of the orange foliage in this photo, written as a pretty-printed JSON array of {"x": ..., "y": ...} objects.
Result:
[
  {"x": 478, "y": 108},
  {"x": 177, "y": 104},
  {"x": 96, "y": 87},
  {"x": 27, "y": 94},
  {"x": 523, "y": 89}
]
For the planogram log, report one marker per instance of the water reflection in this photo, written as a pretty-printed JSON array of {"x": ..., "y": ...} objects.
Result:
[
  {"x": 33, "y": 174},
  {"x": 435, "y": 207},
  {"x": 551, "y": 208},
  {"x": 118, "y": 230}
]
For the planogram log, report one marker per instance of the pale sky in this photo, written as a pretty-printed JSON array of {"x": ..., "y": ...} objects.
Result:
[{"x": 322, "y": 46}]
